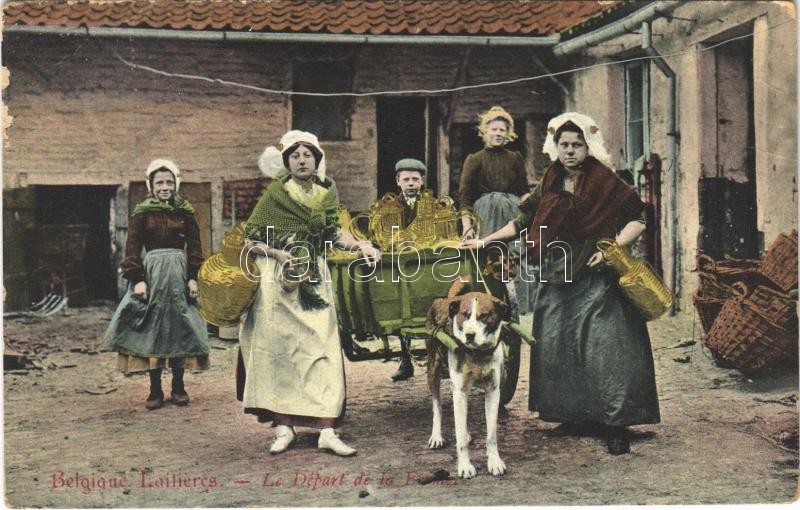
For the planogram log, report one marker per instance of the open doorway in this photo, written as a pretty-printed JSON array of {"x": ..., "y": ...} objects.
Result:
[
  {"x": 402, "y": 133},
  {"x": 86, "y": 210},
  {"x": 728, "y": 192}
]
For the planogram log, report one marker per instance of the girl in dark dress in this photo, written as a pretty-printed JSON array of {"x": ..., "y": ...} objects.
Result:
[
  {"x": 157, "y": 324},
  {"x": 493, "y": 181}
]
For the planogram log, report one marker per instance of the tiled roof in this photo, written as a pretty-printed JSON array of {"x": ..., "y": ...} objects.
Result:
[{"x": 375, "y": 17}]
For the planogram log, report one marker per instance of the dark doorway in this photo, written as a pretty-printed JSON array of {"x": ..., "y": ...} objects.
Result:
[
  {"x": 728, "y": 226},
  {"x": 89, "y": 206},
  {"x": 402, "y": 131}
]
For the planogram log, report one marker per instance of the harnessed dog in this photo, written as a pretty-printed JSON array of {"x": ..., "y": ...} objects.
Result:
[{"x": 474, "y": 320}]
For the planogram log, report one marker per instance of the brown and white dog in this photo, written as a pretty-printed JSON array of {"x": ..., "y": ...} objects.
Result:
[{"x": 474, "y": 320}]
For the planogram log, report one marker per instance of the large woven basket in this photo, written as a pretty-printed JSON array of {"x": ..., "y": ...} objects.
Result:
[
  {"x": 716, "y": 278},
  {"x": 226, "y": 292},
  {"x": 729, "y": 271},
  {"x": 780, "y": 262},
  {"x": 709, "y": 298},
  {"x": 756, "y": 329}
]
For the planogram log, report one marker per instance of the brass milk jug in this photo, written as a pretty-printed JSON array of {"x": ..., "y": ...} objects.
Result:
[
  {"x": 638, "y": 281},
  {"x": 225, "y": 291}
]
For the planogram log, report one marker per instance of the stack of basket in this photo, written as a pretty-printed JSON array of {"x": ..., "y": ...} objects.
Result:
[
  {"x": 717, "y": 278},
  {"x": 780, "y": 262},
  {"x": 755, "y": 326}
]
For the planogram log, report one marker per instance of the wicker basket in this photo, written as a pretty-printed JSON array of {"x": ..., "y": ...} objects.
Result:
[
  {"x": 774, "y": 306},
  {"x": 709, "y": 298},
  {"x": 225, "y": 291},
  {"x": 716, "y": 278},
  {"x": 711, "y": 287},
  {"x": 780, "y": 262},
  {"x": 729, "y": 271},
  {"x": 745, "y": 334}
]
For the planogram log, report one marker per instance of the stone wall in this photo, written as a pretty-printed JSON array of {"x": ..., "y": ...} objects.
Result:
[{"x": 687, "y": 43}]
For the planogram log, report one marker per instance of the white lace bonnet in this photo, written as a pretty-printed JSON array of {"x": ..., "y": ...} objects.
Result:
[
  {"x": 271, "y": 160},
  {"x": 591, "y": 133}
]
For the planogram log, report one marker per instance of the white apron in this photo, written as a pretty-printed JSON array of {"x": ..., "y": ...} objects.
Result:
[{"x": 293, "y": 357}]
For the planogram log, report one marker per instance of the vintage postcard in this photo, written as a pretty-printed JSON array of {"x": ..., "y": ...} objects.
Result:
[{"x": 285, "y": 253}]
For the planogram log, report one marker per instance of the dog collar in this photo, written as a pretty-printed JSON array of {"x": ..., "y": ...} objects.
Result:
[{"x": 481, "y": 351}]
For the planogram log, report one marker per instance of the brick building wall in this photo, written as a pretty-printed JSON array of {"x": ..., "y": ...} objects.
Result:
[
  {"x": 240, "y": 197},
  {"x": 80, "y": 116},
  {"x": 104, "y": 121}
]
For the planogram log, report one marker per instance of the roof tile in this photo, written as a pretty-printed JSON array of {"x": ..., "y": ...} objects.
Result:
[{"x": 424, "y": 17}]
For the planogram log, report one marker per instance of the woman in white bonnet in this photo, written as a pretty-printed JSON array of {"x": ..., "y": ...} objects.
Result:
[
  {"x": 592, "y": 364},
  {"x": 291, "y": 352}
]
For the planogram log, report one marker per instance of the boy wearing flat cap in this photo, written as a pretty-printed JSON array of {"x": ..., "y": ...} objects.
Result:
[{"x": 410, "y": 177}]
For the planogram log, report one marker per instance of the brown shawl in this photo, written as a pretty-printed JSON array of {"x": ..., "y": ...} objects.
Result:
[{"x": 600, "y": 203}]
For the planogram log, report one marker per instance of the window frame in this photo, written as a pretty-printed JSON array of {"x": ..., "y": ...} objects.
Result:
[
  {"x": 345, "y": 105},
  {"x": 634, "y": 163}
]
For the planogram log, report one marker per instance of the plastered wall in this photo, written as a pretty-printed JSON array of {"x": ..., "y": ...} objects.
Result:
[{"x": 686, "y": 42}]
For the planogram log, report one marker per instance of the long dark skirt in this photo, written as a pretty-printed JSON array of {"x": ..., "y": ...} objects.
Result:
[{"x": 592, "y": 360}]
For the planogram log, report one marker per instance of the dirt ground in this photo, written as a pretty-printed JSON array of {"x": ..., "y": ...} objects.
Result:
[{"x": 77, "y": 435}]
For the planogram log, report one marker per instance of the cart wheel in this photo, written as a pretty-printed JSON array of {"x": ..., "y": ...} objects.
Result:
[
  {"x": 512, "y": 343},
  {"x": 346, "y": 340}
]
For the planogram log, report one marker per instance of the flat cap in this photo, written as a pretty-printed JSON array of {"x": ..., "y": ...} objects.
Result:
[{"x": 411, "y": 164}]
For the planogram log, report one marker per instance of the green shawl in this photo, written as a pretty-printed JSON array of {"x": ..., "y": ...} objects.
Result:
[
  {"x": 293, "y": 222},
  {"x": 175, "y": 204}
]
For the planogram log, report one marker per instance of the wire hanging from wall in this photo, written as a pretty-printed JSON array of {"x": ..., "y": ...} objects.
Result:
[{"x": 441, "y": 91}]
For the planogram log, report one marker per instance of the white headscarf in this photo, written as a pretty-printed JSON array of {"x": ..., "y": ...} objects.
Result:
[
  {"x": 163, "y": 164},
  {"x": 591, "y": 133}
]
